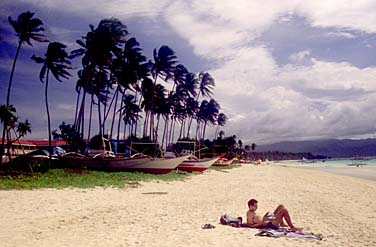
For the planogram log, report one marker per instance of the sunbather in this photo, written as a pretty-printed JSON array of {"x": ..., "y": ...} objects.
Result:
[{"x": 276, "y": 220}]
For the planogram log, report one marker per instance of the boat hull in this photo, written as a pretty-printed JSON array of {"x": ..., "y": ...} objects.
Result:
[
  {"x": 196, "y": 165},
  {"x": 223, "y": 163},
  {"x": 141, "y": 164}
]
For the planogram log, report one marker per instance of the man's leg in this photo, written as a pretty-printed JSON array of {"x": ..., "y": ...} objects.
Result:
[
  {"x": 281, "y": 214},
  {"x": 276, "y": 212}
]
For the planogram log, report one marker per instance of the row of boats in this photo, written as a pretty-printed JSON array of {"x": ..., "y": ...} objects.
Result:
[
  {"x": 105, "y": 159},
  {"x": 142, "y": 163}
]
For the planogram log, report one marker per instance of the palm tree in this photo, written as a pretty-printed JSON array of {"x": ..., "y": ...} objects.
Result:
[
  {"x": 206, "y": 84},
  {"x": 192, "y": 109},
  {"x": 128, "y": 70},
  {"x": 11, "y": 121},
  {"x": 27, "y": 28},
  {"x": 99, "y": 48},
  {"x": 162, "y": 66},
  {"x": 208, "y": 113},
  {"x": 221, "y": 121},
  {"x": 130, "y": 112},
  {"x": 55, "y": 61}
]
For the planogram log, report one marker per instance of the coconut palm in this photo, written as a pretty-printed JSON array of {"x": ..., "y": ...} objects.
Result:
[
  {"x": 192, "y": 109},
  {"x": 128, "y": 70},
  {"x": 99, "y": 48},
  {"x": 206, "y": 84},
  {"x": 11, "y": 121},
  {"x": 55, "y": 61},
  {"x": 221, "y": 121},
  {"x": 208, "y": 113},
  {"x": 130, "y": 112},
  {"x": 27, "y": 28},
  {"x": 162, "y": 66}
]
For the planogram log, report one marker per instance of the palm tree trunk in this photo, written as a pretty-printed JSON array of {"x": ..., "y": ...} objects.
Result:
[
  {"x": 204, "y": 130},
  {"x": 12, "y": 72},
  {"x": 173, "y": 131},
  {"x": 119, "y": 120},
  {"x": 181, "y": 130},
  {"x": 147, "y": 115},
  {"x": 197, "y": 130},
  {"x": 152, "y": 109},
  {"x": 164, "y": 131},
  {"x": 100, "y": 118},
  {"x": 167, "y": 119},
  {"x": 156, "y": 131},
  {"x": 170, "y": 134},
  {"x": 189, "y": 125},
  {"x": 77, "y": 103},
  {"x": 8, "y": 99},
  {"x": 48, "y": 115},
  {"x": 90, "y": 118},
  {"x": 114, "y": 113}
]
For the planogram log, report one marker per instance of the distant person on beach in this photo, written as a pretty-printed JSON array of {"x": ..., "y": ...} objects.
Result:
[{"x": 273, "y": 221}]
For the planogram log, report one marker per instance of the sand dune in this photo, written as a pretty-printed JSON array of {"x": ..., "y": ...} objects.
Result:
[{"x": 341, "y": 208}]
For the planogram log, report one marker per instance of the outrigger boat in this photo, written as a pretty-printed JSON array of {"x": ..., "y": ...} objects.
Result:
[
  {"x": 223, "y": 162},
  {"x": 138, "y": 162},
  {"x": 106, "y": 160},
  {"x": 198, "y": 165}
]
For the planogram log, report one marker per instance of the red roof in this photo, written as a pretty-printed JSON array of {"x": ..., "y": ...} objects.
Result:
[{"x": 40, "y": 142}]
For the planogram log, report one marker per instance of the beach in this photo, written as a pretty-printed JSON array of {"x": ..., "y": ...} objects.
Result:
[{"x": 341, "y": 208}]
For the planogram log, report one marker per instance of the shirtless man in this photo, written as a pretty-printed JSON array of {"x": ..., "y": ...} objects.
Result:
[{"x": 280, "y": 214}]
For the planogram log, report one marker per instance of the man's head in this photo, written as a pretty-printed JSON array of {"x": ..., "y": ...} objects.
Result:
[{"x": 252, "y": 204}]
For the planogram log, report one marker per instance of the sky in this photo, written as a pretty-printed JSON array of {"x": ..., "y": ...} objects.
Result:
[{"x": 284, "y": 70}]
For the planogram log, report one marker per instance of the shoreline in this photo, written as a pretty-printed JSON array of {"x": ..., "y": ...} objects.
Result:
[
  {"x": 171, "y": 213},
  {"x": 366, "y": 172}
]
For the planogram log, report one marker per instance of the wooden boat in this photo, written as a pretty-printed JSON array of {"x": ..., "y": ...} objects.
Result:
[
  {"x": 141, "y": 163},
  {"x": 17, "y": 149},
  {"x": 357, "y": 163},
  {"x": 223, "y": 162},
  {"x": 197, "y": 165}
]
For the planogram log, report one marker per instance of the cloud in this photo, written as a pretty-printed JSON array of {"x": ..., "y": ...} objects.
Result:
[
  {"x": 300, "y": 56},
  {"x": 341, "y": 34},
  {"x": 306, "y": 97},
  {"x": 359, "y": 15}
]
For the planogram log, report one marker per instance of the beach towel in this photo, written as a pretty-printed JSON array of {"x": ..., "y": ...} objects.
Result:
[{"x": 283, "y": 232}]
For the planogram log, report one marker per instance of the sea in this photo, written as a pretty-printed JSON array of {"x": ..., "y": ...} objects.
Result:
[{"x": 359, "y": 168}]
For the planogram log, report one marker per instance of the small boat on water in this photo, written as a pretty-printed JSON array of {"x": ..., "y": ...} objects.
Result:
[
  {"x": 357, "y": 163},
  {"x": 223, "y": 162},
  {"x": 305, "y": 160},
  {"x": 198, "y": 165},
  {"x": 138, "y": 162}
]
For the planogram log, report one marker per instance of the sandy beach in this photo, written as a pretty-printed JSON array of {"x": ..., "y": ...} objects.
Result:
[{"x": 341, "y": 208}]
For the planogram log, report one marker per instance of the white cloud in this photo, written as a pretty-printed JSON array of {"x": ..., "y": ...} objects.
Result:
[
  {"x": 299, "y": 56},
  {"x": 266, "y": 102},
  {"x": 358, "y": 15},
  {"x": 341, "y": 34}
]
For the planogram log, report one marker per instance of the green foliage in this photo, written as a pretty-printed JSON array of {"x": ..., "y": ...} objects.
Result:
[
  {"x": 25, "y": 165},
  {"x": 69, "y": 134},
  {"x": 64, "y": 178}
]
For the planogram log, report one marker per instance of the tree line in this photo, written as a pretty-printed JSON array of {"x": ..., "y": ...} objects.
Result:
[{"x": 119, "y": 84}]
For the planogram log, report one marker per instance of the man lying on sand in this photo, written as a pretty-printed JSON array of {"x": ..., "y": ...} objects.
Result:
[{"x": 275, "y": 221}]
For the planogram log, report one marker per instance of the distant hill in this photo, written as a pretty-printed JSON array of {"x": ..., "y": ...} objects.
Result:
[{"x": 332, "y": 147}]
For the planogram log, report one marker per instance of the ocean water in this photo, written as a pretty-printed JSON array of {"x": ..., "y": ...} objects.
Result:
[{"x": 339, "y": 166}]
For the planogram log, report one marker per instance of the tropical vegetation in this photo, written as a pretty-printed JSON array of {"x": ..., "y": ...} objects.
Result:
[{"x": 132, "y": 97}]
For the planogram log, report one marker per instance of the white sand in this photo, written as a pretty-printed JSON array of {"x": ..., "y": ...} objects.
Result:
[{"x": 341, "y": 208}]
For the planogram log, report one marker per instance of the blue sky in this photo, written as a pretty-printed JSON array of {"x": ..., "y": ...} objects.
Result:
[{"x": 284, "y": 70}]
